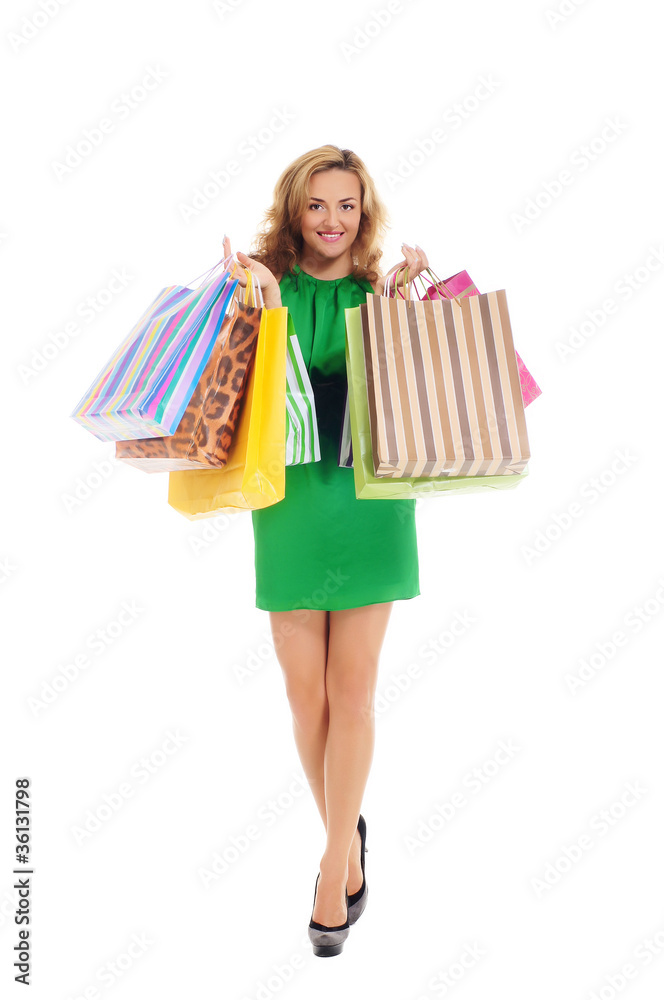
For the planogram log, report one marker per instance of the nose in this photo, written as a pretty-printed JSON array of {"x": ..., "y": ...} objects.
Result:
[{"x": 331, "y": 219}]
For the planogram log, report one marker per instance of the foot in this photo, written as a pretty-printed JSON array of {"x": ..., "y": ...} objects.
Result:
[
  {"x": 354, "y": 883},
  {"x": 330, "y": 904}
]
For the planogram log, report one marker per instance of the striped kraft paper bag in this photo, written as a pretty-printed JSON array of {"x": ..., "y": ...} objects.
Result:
[{"x": 443, "y": 387}]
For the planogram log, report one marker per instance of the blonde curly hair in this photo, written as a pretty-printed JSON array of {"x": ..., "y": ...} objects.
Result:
[{"x": 279, "y": 242}]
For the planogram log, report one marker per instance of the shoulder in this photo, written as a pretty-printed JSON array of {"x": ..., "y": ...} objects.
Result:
[{"x": 375, "y": 286}]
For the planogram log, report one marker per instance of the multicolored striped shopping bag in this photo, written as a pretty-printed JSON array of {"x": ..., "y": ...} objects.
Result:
[
  {"x": 205, "y": 432},
  {"x": 146, "y": 385},
  {"x": 203, "y": 437}
]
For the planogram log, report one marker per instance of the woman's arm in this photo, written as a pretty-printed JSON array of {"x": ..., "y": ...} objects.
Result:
[
  {"x": 272, "y": 294},
  {"x": 414, "y": 258}
]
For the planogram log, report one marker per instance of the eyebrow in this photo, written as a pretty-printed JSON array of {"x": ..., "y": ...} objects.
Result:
[{"x": 324, "y": 202}]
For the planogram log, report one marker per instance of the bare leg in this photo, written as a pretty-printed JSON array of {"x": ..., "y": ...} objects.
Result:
[
  {"x": 355, "y": 639},
  {"x": 303, "y": 659},
  {"x": 300, "y": 641}
]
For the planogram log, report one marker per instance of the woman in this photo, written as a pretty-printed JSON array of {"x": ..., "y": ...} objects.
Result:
[{"x": 328, "y": 565}]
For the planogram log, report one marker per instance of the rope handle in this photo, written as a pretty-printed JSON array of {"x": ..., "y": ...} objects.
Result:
[
  {"x": 394, "y": 277},
  {"x": 206, "y": 274},
  {"x": 252, "y": 288},
  {"x": 436, "y": 283}
]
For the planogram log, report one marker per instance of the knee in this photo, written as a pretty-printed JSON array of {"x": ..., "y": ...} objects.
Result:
[
  {"x": 308, "y": 704},
  {"x": 352, "y": 697}
]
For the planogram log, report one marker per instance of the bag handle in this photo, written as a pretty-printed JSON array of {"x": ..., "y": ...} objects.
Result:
[
  {"x": 207, "y": 274},
  {"x": 406, "y": 284},
  {"x": 437, "y": 282},
  {"x": 394, "y": 277},
  {"x": 256, "y": 290},
  {"x": 253, "y": 286}
]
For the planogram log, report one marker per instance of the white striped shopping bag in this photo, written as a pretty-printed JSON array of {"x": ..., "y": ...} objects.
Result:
[{"x": 302, "y": 441}]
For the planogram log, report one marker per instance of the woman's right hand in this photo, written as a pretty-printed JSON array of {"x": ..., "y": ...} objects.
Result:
[{"x": 262, "y": 274}]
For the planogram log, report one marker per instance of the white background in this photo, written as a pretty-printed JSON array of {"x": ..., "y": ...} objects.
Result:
[{"x": 545, "y": 587}]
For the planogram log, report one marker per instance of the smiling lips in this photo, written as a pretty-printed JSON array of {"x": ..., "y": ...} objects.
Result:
[{"x": 329, "y": 237}]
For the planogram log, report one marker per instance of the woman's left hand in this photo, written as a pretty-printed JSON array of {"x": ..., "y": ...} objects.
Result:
[{"x": 415, "y": 260}]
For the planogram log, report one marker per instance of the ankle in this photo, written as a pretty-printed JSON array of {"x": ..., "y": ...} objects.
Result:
[{"x": 334, "y": 869}]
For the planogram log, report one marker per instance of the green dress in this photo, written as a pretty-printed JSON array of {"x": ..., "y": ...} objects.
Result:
[{"x": 321, "y": 547}]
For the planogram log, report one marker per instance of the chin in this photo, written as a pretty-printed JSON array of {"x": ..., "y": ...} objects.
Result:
[{"x": 333, "y": 250}]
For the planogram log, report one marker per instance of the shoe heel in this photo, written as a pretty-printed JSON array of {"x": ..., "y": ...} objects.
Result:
[
  {"x": 326, "y": 950},
  {"x": 358, "y": 900},
  {"x": 334, "y": 937}
]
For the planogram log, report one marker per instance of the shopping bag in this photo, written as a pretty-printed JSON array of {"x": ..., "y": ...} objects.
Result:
[
  {"x": 203, "y": 437},
  {"x": 529, "y": 387},
  {"x": 254, "y": 474},
  {"x": 345, "y": 459},
  {"x": 146, "y": 385},
  {"x": 443, "y": 387},
  {"x": 302, "y": 440},
  {"x": 367, "y": 484},
  {"x": 459, "y": 285}
]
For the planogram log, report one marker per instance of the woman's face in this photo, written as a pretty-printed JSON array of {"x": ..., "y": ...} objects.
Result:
[{"x": 332, "y": 219}]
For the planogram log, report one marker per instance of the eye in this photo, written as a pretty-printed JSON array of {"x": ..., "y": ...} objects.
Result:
[{"x": 346, "y": 205}]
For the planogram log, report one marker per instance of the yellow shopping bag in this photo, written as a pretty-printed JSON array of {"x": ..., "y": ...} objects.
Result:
[{"x": 255, "y": 474}]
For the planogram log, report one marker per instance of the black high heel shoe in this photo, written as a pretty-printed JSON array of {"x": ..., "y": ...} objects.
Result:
[
  {"x": 358, "y": 900},
  {"x": 327, "y": 941}
]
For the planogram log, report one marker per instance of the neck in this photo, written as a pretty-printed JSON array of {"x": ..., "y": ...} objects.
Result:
[{"x": 324, "y": 267}]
